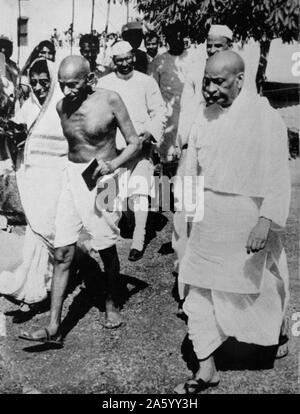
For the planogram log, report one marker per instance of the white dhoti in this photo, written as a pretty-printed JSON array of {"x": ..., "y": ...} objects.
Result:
[
  {"x": 231, "y": 293},
  {"x": 242, "y": 153},
  {"x": 77, "y": 209}
]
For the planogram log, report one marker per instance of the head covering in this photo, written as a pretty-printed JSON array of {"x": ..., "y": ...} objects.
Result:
[
  {"x": 220, "y": 30},
  {"x": 120, "y": 48},
  {"x": 26, "y": 81},
  {"x": 136, "y": 25},
  {"x": 7, "y": 38},
  {"x": 45, "y": 144}
]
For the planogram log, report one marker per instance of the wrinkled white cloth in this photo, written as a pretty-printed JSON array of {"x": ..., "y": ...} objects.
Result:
[
  {"x": 242, "y": 153},
  {"x": 170, "y": 73},
  {"x": 78, "y": 209},
  {"x": 192, "y": 91},
  {"x": 39, "y": 179},
  {"x": 243, "y": 150},
  {"x": 143, "y": 101},
  {"x": 147, "y": 111},
  {"x": 213, "y": 316}
]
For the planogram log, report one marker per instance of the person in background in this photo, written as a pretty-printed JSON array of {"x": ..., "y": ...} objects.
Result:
[
  {"x": 12, "y": 70},
  {"x": 7, "y": 90},
  {"x": 187, "y": 42},
  {"x": 105, "y": 54},
  {"x": 45, "y": 49},
  {"x": 133, "y": 34},
  {"x": 170, "y": 71},
  {"x": 55, "y": 38},
  {"x": 89, "y": 48},
  {"x": 219, "y": 38},
  {"x": 146, "y": 109},
  {"x": 151, "y": 41}
]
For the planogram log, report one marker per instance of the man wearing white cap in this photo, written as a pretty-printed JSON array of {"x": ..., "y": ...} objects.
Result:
[
  {"x": 132, "y": 33},
  {"x": 146, "y": 109},
  {"x": 219, "y": 38}
]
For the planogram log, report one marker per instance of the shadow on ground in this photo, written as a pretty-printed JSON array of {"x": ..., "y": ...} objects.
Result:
[
  {"x": 233, "y": 355},
  {"x": 92, "y": 293}
]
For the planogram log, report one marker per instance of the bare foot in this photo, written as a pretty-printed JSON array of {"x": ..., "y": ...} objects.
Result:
[
  {"x": 282, "y": 351},
  {"x": 283, "y": 348},
  {"x": 112, "y": 316}
]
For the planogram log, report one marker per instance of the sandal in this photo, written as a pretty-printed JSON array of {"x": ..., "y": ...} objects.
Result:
[
  {"x": 53, "y": 340},
  {"x": 195, "y": 386}
]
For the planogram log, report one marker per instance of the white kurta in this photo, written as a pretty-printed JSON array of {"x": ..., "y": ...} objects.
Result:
[
  {"x": 243, "y": 155},
  {"x": 170, "y": 73},
  {"x": 143, "y": 100},
  {"x": 147, "y": 111}
]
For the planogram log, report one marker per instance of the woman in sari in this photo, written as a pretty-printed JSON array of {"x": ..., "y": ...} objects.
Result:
[
  {"x": 27, "y": 278},
  {"x": 45, "y": 49}
]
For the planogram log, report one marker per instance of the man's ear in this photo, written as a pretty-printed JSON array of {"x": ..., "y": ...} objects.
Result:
[
  {"x": 240, "y": 79},
  {"x": 90, "y": 78}
]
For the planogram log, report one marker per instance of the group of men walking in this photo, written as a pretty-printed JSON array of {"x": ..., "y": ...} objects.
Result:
[{"x": 232, "y": 267}]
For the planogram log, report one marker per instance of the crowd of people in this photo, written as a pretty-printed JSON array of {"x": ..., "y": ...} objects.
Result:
[{"x": 110, "y": 115}]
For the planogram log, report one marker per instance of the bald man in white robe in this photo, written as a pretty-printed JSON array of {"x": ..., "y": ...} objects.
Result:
[{"x": 234, "y": 269}]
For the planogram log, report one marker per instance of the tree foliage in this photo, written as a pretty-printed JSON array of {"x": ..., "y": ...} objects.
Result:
[{"x": 259, "y": 19}]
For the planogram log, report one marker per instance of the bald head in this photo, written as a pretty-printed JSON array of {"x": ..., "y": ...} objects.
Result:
[
  {"x": 226, "y": 60},
  {"x": 75, "y": 78},
  {"x": 74, "y": 67},
  {"x": 223, "y": 78}
]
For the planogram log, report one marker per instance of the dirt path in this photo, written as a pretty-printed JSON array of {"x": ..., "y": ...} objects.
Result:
[{"x": 144, "y": 356}]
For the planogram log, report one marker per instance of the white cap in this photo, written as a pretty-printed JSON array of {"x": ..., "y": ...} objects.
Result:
[
  {"x": 6, "y": 36},
  {"x": 220, "y": 30},
  {"x": 120, "y": 48}
]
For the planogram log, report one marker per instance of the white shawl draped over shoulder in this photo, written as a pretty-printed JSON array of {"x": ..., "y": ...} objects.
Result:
[
  {"x": 39, "y": 180},
  {"x": 243, "y": 150}
]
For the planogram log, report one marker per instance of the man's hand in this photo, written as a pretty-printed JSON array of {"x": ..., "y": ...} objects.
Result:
[
  {"x": 146, "y": 137},
  {"x": 177, "y": 153},
  {"x": 259, "y": 235},
  {"x": 104, "y": 168}
]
